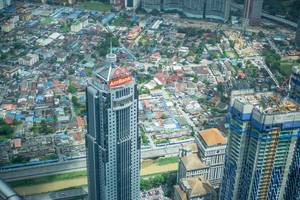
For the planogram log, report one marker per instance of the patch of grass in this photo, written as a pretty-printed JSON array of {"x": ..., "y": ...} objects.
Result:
[
  {"x": 89, "y": 72},
  {"x": 285, "y": 68},
  {"x": 167, "y": 160},
  {"x": 185, "y": 137},
  {"x": 48, "y": 179},
  {"x": 94, "y": 5},
  {"x": 119, "y": 21},
  {"x": 161, "y": 141},
  {"x": 46, "y": 20},
  {"x": 231, "y": 54}
]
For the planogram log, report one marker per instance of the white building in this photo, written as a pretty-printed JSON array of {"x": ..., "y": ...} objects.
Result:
[
  {"x": 212, "y": 144},
  {"x": 29, "y": 59},
  {"x": 77, "y": 26}
]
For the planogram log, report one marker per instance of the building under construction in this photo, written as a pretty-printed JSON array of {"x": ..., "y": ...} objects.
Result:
[{"x": 263, "y": 147}]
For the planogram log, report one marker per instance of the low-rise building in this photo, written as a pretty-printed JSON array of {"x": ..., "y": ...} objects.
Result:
[
  {"x": 76, "y": 27},
  {"x": 194, "y": 188},
  {"x": 7, "y": 26},
  {"x": 9, "y": 71},
  {"x": 29, "y": 59},
  {"x": 190, "y": 165},
  {"x": 212, "y": 144}
]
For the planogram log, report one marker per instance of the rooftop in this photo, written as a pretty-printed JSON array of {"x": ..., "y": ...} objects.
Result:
[
  {"x": 196, "y": 185},
  {"x": 266, "y": 102},
  {"x": 192, "y": 162},
  {"x": 212, "y": 137}
]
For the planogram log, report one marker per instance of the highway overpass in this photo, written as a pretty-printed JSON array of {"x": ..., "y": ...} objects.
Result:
[{"x": 75, "y": 165}]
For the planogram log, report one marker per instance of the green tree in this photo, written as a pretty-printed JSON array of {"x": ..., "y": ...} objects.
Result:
[
  {"x": 72, "y": 89},
  {"x": 5, "y": 129}
]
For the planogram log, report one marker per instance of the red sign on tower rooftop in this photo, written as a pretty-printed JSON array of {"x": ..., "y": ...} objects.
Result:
[{"x": 120, "y": 72}]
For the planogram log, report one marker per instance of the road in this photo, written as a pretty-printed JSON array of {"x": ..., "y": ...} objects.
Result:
[
  {"x": 273, "y": 45},
  {"x": 42, "y": 170},
  {"x": 75, "y": 165},
  {"x": 259, "y": 61}
]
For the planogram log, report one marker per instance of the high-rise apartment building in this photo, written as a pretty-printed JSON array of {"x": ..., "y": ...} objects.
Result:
[
  {"x": 252, "y": 12},
  {"x": 295, "y": 83},
  {"x": 206, "y": 9},
  {"x": 112, "y": 140},
  {"x": 298, "y": 35},
  {"x": 263, "y": 147},
  {"x": 4, "y": 3}
]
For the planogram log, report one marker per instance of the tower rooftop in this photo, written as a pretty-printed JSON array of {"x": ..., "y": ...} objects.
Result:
[{"x": 266, "y": 102}]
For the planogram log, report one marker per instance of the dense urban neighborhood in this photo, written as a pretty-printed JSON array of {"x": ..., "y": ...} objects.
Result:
[{"x": 185, "y": 70}]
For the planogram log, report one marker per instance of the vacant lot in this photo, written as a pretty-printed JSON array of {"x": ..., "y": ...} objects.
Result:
[
  {"x": 52, "y": 186},
  {"x": 158, "y": 166}
]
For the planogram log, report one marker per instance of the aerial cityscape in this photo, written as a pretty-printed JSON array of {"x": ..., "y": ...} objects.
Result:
[{"x": 150, "y": 100}]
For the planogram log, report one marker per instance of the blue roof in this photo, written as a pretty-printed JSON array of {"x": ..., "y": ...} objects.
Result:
[
  {"x": 108, "y": 18},
  {"x": 32, "y": 23},
  {"x": 10, "y": 9},
  {"x": 40, "y": 98},
  {"x": 19, "y": 116},
  {"x": 134, "y": 19},
  {"x": 74, "y": 14},
  {"x": 29, "y": 119},
  {"x": 82, "y": 74},
  {"x": 48, "y": 84},
  {"x": 82, "y": 98}
]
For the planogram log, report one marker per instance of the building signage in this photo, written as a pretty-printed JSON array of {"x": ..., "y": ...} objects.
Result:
[
  {"x": 122, "y": 71},
  {"x": 119, "y": 81}
]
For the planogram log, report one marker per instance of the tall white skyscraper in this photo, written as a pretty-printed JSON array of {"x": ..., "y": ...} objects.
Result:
[{"x": 113, "y": 142}]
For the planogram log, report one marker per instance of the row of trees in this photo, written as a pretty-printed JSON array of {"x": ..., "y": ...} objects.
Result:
[
  {"x": 166, "y": 180},
  {"x": 5, "y": 129}
]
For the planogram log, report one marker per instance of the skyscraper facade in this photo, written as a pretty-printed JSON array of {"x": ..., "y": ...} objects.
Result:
[
  {"x": 252, "y": 12},
  {"x": 293, "y": 185},
  {"x": 295, "y": 83},
  {"x": 112, "y": 140},
  {"x": 298, "y": 35},
  {"x": 263, "y": 147},
  {"x": 206, "y": 9}
]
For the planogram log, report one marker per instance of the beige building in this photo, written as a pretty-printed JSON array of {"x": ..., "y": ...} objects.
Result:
[
  {"x": 190, "y": 165},
  {"x": 77, "y": 26},
  {"x": 29, "y": 59},
  {"x": 212, "y": 145},
  {"x": 194, "y": 188}
]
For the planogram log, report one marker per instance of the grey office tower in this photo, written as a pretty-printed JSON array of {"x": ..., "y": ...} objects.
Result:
[
  {"x": 298, "y": 35},
  {"x": 253, "y": 11},
  {"x": 112, "y": 140}
]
